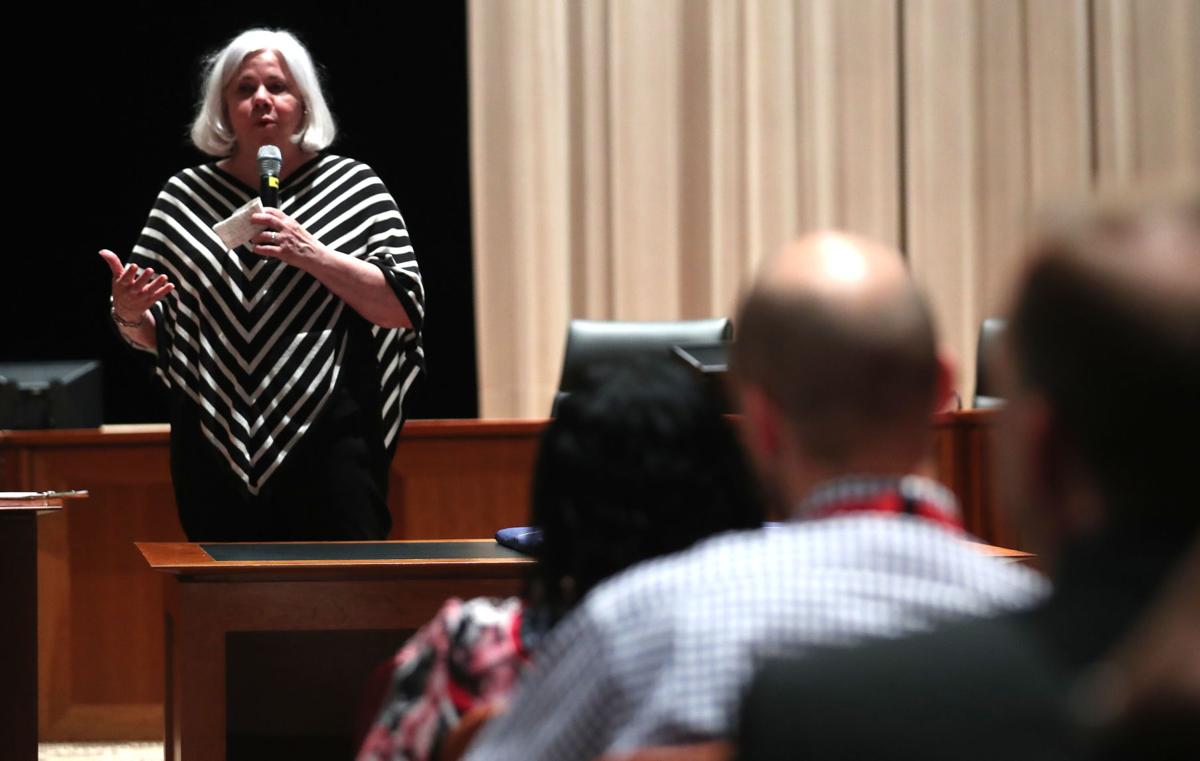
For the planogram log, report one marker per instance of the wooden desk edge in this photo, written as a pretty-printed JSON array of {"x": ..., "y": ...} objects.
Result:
[
  {"x": 151, "y": 433},
  {"x": 1002, "y": 552},
  {"x": 157, "y": 433},
  {"x": 51, "y": 506},
  {"x": 189, "y": 559}
]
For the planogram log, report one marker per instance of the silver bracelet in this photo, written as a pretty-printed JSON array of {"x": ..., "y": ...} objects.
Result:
[{"x": 126, "y": 323}]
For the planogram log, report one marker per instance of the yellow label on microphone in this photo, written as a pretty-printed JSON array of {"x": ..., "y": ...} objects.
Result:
[{"x": 272, "y": 181}]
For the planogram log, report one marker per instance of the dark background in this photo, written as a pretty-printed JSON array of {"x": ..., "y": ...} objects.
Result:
[{"x": 101, "y": 105}]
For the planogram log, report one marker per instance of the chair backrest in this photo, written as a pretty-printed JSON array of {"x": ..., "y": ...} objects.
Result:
[
  {"x": 595, "y": 343},
  {"x": 991, "y": 334}
]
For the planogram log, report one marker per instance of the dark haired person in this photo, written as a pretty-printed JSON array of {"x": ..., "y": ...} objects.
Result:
[
  {"x": 642, "y": 465},
  {"x": 1100, "y": 455},
  {"x": 287, "y": 359},
  {"x": 838, "y": 376}
]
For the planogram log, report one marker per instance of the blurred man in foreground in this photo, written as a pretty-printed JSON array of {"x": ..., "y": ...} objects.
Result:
[{"x": 1100, "y": 464}]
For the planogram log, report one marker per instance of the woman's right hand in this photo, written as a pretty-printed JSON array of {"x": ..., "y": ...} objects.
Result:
[{"x": 133, "y": 290}]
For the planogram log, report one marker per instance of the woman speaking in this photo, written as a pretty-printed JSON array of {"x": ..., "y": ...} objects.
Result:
[{"x": 288, "y": 358}]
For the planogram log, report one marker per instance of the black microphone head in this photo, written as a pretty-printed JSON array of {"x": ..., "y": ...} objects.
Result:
[{"x": 270, "y": 160}]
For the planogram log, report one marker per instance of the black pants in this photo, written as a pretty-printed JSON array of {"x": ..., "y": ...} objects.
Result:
[{"x": 332, "y": 486}]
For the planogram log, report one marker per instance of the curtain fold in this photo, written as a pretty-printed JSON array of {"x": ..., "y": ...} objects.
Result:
[{"x": 637, "y": 159}]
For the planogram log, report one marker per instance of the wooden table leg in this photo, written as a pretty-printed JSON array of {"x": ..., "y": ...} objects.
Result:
[
  {"x": 18, "y": 634},
  {"x": 195, "y": 715}
]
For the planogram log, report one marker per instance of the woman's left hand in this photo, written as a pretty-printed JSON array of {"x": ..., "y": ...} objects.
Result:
[
  {"x": 360, "y": 284},
  {"x": 284, "y": 239}
]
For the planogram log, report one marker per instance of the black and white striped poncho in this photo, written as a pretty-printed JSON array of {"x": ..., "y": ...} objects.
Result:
[{"x": 256, "y": 344}]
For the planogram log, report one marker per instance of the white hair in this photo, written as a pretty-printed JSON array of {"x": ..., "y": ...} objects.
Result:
[{"x": 211, "y": 132}]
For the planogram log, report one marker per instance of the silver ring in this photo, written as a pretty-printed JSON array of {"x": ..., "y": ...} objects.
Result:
[{"x": 274, "y": 236}]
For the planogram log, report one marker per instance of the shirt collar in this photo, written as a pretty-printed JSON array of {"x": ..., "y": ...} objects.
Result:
[{"x": 914, "y": 495}]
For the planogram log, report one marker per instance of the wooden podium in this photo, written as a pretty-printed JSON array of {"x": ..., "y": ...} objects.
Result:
[
  {"x": 235, "y": 628},
  {"x": 19, "y": 623}
]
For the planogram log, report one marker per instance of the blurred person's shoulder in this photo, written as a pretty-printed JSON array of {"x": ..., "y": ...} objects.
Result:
[{"x": 983, "y": 684}]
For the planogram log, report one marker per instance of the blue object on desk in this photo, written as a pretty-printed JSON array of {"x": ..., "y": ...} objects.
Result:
[
  {"x": 528, "y": 540},
  {"x": 524, "y": 539}
]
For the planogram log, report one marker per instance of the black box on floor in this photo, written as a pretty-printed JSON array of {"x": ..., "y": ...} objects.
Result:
[{"x": 50, "y": 394}]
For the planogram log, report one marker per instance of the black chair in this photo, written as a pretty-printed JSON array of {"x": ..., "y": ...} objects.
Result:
[
  {"x": 991, "y": 335},
  {"x": 595, "y": 343}
]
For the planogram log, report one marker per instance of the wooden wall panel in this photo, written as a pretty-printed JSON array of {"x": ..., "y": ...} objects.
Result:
[
  {"x": 102, "y": 682},
  {"x": 449, "y": 484}
]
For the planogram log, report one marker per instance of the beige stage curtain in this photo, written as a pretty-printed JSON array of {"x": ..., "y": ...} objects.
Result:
[
  {"x": 1011, "y": 105},
  {"x": 636, "y": 159}
]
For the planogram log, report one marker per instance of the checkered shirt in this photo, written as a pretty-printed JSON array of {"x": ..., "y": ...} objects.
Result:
[{"x": 662, "y": 653}]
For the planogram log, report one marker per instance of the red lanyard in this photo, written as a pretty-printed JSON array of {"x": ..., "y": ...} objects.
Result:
[{"x": 892, "y": 502}]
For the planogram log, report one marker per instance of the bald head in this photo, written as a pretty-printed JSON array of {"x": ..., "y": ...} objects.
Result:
[
  {"x": 1106, "y": 328},
  {"x": 835, "y": 333},
  {"x": 847, "y": 272}
]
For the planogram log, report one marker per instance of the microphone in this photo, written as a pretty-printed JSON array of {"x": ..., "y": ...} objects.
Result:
[{"x": 270, "y": 161}]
